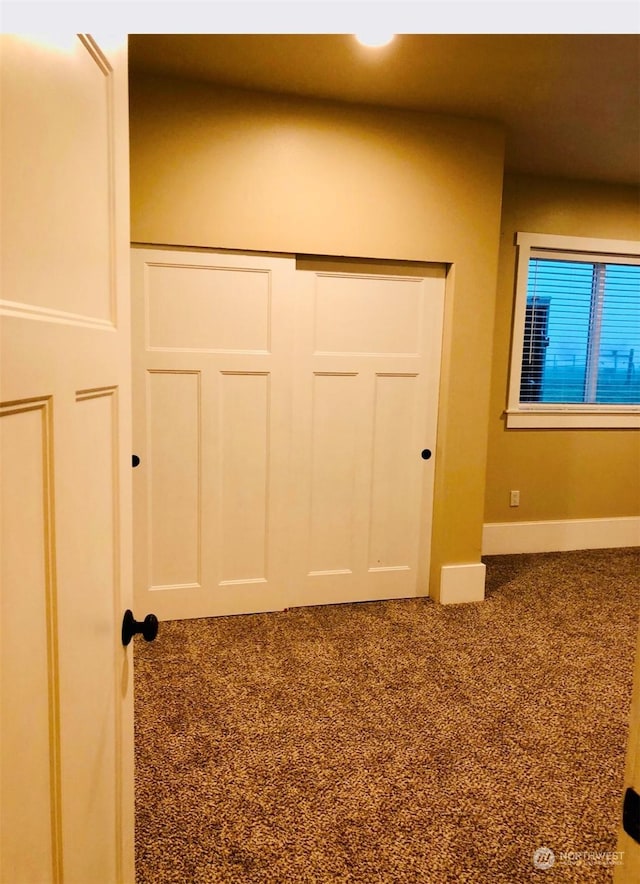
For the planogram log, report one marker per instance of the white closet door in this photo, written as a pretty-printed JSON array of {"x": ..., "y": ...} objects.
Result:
[
  {"x": 212, "y": 345},
  {"x": 280, "y": 418},
  {"x": 367, "y": 358}
]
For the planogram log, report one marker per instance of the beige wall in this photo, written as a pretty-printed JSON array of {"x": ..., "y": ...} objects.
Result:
[
  {"x": 229, "y": 169},
  {"x": 561, "y": 474}
]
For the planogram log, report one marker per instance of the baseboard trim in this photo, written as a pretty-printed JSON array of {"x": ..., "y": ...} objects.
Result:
[
  {"x": 460, "y": 584},
  {"x": 504, "y": 538}
]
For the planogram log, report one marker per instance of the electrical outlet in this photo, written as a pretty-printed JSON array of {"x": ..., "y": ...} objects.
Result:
[{"x": 514, "y": 500}]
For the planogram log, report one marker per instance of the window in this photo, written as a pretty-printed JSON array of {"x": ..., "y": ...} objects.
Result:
[{"x": 575, "y": 358}]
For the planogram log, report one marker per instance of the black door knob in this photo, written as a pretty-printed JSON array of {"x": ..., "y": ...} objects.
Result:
[
  {"x": 147, "y": 627},
  {"x": 135, "y": 460},
  {"x": 426, "y": 454}
]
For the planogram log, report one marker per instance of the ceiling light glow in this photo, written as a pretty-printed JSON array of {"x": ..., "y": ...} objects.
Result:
[{"x": 374, "y": 38}]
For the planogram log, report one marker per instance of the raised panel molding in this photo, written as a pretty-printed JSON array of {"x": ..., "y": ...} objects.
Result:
[
  {"x": 30, "y": 595},
  {"x": 174, "y": 498},
  {"x": 394, "y": 317},
  {"x": 96, "y": 53},
  {"x": 333, "y": 472},
  {"x": 244, "y": 420},
  {"x": 190, "y": 309},
  {"x": 104, "y": 66},
  {"x": 393, "y": 493},
  {"x": 96, "y": 551},
  {"x": 45, "y": 314},
  {"x": 70, "y": 232},
  {"x": 96, "y": 393}
]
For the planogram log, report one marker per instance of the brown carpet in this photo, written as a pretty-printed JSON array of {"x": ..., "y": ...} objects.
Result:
[{"x": 393, "y": 741}]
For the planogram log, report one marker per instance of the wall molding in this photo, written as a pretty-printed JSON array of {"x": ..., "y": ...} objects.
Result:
[
  {"x": 462, "y": 583},
  {"x": 504, "y": 538}
]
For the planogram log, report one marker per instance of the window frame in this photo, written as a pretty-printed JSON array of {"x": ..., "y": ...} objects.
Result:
[{"x": 555, "y": 415}]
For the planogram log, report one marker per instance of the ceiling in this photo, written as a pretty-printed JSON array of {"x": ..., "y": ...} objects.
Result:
[{"x": 570, "y": 103}]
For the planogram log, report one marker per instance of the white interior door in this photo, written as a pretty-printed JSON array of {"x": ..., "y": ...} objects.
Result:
[
  {"x": 66, "y": 701},
  {"x": 281, "y": 409},
  {"x": 367, "y": 360},
  {"x": 212, "y": 356}
]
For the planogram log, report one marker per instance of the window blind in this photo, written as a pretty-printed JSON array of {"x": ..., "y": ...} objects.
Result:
[{"x": 582, "y": 333}]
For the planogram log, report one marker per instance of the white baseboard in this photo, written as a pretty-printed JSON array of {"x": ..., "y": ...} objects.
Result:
[
  {"x": 504, "y": 538},
  {"x": 462, "y": 583}
]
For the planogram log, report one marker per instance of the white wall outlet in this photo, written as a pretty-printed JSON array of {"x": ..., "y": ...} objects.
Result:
[{"x": 514, "y": 499}]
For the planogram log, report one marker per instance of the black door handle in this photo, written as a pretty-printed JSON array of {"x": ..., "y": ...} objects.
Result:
[
  {"x": 130, "y": 627},
  {"x": 426, "y": 453}
]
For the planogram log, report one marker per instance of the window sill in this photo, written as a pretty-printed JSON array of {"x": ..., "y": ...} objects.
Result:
[{"x": 569, "y": 418}]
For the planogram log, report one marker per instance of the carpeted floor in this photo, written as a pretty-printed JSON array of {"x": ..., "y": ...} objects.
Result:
[{"x": 393, "y": 741}]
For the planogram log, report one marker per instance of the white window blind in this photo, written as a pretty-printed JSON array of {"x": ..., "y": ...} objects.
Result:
[{"x": 582, "y": 333}]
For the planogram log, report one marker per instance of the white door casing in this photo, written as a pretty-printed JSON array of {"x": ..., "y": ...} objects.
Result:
[
  {"x": 281, "y": 406},
  {"x": 67, "y": 682}
]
